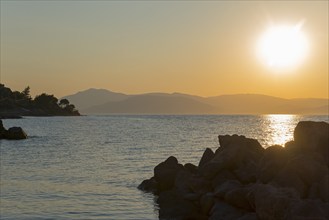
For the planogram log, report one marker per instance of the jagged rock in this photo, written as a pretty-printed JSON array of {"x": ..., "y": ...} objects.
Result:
[
  {"x": 207, "y": 156},
  {"x": 234, "y": 152},
  {"x": 243, "y": 181},
  {"x": 165, "y": 173}
]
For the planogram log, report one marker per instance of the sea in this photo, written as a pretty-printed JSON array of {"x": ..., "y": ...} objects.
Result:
[{"x": 89, "y": 167}]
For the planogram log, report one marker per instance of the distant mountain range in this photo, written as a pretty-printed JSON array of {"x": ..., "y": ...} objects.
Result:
[{"x": 101, "y": 101}]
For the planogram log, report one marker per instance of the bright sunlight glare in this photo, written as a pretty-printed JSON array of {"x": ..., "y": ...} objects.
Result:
[{"x": 283, "y": 46}]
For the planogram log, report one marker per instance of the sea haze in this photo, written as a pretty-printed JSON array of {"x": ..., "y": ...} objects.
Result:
[{"x": 89, "y": 167}]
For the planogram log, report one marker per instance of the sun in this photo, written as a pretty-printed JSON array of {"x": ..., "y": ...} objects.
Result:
[{"x": 283, "y": 46}]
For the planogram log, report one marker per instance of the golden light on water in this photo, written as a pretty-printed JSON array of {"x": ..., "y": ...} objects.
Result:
[{"x": 280, "y": 128}]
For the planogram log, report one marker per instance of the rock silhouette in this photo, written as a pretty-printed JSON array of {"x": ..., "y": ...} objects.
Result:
[
  {"x": 242, "y": 180},
  {"x": 14, "y": 133}
]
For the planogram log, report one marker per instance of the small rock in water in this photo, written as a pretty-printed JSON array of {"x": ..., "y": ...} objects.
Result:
[{"x": 14, "y": 133}]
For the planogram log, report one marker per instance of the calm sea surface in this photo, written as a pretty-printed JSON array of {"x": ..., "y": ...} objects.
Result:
[{"x": 89, "y": 167}]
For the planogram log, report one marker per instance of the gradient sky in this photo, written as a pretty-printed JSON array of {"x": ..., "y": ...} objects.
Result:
[{"x": 197, "y": 47}]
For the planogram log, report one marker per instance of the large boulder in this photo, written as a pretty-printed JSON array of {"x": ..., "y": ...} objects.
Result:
[
  {"x": 301, "y": 173},
  {"x": 271, "y": 202},
  {"x": 273, "y": 161},
  {"x": 235, "y": 153},
  {"x": 190, "y": 185},
  {"x": 165, "y": 173},
  {"x": 313, "y": 136},
  {"x": 15, "y": 133}
]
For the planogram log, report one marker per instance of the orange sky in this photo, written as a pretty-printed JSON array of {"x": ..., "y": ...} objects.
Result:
[{"x": 200, "y": 48}]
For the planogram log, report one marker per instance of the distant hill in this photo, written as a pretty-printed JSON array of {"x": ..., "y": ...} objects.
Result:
[
  {"x": 91, "y": 97},
  {"x": 154, "y": 104},
  {"x": 101, "y": 101},
  {"x": 262, "y": 104}
]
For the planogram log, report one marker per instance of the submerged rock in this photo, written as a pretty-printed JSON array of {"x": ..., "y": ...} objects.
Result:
[{"x": 242, "y": 180}]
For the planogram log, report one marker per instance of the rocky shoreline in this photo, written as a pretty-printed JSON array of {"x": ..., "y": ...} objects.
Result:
[{"x": 242, "y": 180}]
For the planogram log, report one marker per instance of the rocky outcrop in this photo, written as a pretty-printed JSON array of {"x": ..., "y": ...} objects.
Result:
[
  {"x": 242, "y": 180},
  {"x": 14, "y": 133}
]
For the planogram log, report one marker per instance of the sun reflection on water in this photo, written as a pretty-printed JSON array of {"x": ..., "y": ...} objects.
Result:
[{"x": 279, "y": 128}]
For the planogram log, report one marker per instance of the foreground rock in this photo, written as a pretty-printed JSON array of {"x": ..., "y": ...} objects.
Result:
[
  {"x": 242, "y": 180},
  {"x": 14, "y": 133}
]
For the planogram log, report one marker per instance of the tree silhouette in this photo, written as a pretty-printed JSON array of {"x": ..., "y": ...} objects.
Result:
[
  {"x": 21, "y": 103},
  {"x": 46, "y": 100},
  {"x": 26, "y": 93},
  {"x": 63, "y": 103}
]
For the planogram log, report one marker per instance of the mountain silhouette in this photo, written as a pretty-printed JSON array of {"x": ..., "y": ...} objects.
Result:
[
  {"x": 91, "y": 97},
  {"x": 101, "y": 101}
]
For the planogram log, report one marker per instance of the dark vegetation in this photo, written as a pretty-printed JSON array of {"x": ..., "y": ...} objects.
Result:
[{"x": 14, "y": 104}]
